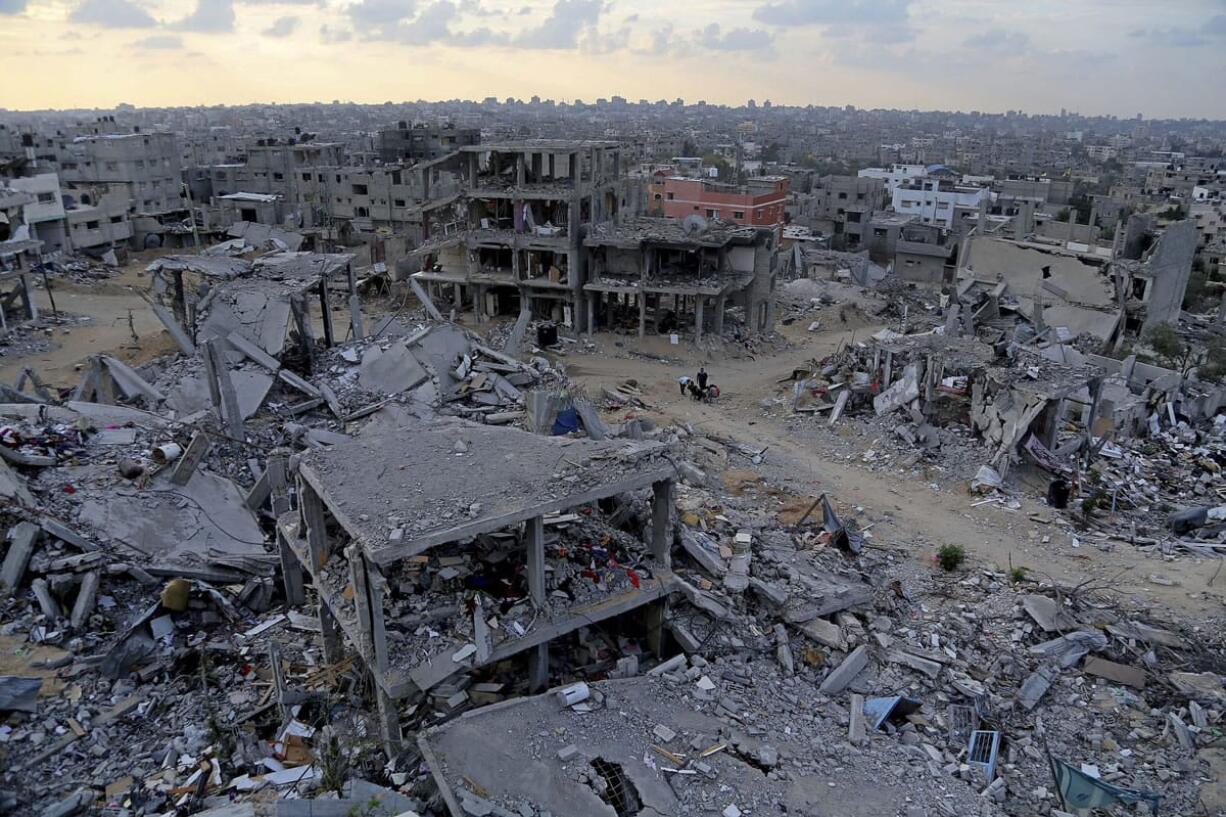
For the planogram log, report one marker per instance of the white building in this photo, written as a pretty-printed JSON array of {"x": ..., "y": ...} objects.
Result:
[
  {"x": 45, "y": 214},
  {"x": 895, "y": 174},
  {"x": 935, "y": 201}
]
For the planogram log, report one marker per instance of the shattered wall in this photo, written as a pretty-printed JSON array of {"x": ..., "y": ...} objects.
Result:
[{"x": 1169, "y": 266}]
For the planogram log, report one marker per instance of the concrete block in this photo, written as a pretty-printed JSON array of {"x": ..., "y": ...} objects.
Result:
[{"x": 842, "y": 675}]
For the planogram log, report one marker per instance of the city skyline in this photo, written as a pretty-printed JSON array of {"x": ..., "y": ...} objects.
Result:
[{"x": 903, "y": 54}]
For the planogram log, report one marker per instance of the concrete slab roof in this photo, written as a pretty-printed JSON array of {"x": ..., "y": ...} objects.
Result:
[
  {"x": 543, "y": 145},
  {"x": 490, "y": 748},
  {"x": 954, "y": 350},
  {"x": 400, "y": 494},
  {"x": 645, "y": 230}
]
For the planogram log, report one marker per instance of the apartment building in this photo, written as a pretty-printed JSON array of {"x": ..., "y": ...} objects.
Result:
[
  {"x": 143, "y": 166},
  {"x": 761, "y": 202},
  {"x": 937, "y": 201},
  {"x": 844, "y": 205},
  {"x": 675, "y": 277},
  {"x": 87, "y": 219},
  {"x": 422, "y": 143},
  {"x": 510, "y": 237}
]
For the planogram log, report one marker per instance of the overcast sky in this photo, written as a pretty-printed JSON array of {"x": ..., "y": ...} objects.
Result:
[{"x": 1157, "y": 57}]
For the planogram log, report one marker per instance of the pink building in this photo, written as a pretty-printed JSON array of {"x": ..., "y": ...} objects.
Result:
[{"x": 760, "y": 203}]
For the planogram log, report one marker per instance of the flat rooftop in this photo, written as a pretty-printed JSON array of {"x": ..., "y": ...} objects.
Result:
[
  {"x": 401, "y": 493},
  {"x": 556, "y": 145},
  {"x": 491, "y": 750},
  {"x": 643, "y": 230}
]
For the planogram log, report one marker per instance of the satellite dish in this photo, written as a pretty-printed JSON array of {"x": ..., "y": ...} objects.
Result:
[{"x": 694, "y": 224}]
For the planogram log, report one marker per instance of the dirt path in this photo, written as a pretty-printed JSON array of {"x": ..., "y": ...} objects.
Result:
[
  {"x": 107, "y": 304},
  {"x": 918, "y": 514},
  {"x": 903, "y": 509}
]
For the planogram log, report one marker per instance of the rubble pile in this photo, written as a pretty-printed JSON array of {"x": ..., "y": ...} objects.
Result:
[{"x": 276, "y": 571}]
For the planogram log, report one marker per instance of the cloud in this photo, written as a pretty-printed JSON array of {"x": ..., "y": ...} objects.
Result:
[
  {"x": 160, "y": 41},
  {"x": 594, "y": 41},
  {"x": 832, "y": 12},
  {"x": 736, "y": 39},
  {"x": 209, "y": 16},
  {"x": 283, "y": 27},
  {"x": 12, "y": 6},
  {"x": 334, "y": 35},
  {"x": 562, "y": 27},
  {"x": 112, "y": 14},
  {"x": 1184, "y": 37},
  {"x": 380, "y": 14},
  {"x": 997, "y": 38},
  {"x": 431, "y": 26}
]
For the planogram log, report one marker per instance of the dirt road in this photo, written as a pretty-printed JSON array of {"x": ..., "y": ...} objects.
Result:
[
  {"x": 918, "y": 512},
  {"x": 107, "y": 305}
]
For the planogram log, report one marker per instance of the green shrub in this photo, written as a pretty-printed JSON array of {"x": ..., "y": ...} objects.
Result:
[{"x": 951, "y": 557}]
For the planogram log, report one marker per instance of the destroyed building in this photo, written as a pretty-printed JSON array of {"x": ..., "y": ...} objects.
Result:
[
  {"x": 684, "y": 275},
  {"x": 512, "y": 238},
  {"x": 407, "y": 559}
]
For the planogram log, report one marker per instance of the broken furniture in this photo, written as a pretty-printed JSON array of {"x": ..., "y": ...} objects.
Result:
[{"x": 369, "y": 506}]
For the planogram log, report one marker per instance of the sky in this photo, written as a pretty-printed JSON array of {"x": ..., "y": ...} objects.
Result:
[{"x": 1161, "y": 58}]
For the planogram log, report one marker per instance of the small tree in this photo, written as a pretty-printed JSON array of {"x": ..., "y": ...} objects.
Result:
[
  {"x": 1213, "y": 367},
  {"x": 1167, "y": 344}
]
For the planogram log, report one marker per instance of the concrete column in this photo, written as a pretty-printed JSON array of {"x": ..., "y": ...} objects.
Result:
[
  {"x": 534, "y": 540},
  {"x": 698, "y": 303},
  {"x": 389, "y": 722},
  {"x": 334, "y": 645},
  {"x": 291, "y": 573},
  {"x": 477, "y": 304},
  {"x": 653, "y": 620},
  {"x": 538, "y": 667},
  {"x": 642, "y": 296},
  {"x": 591, "y": 314},
  {"x": 222, "y": 389},
  {"x": 720, "y": 305},
  {"x": 314, "y": 525},
  {"x": 457, "y": 295},
  {"x": 661, "y": 521},
  {"x": 361, "y": 603},
  {"x": 329, "y": 336}
]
